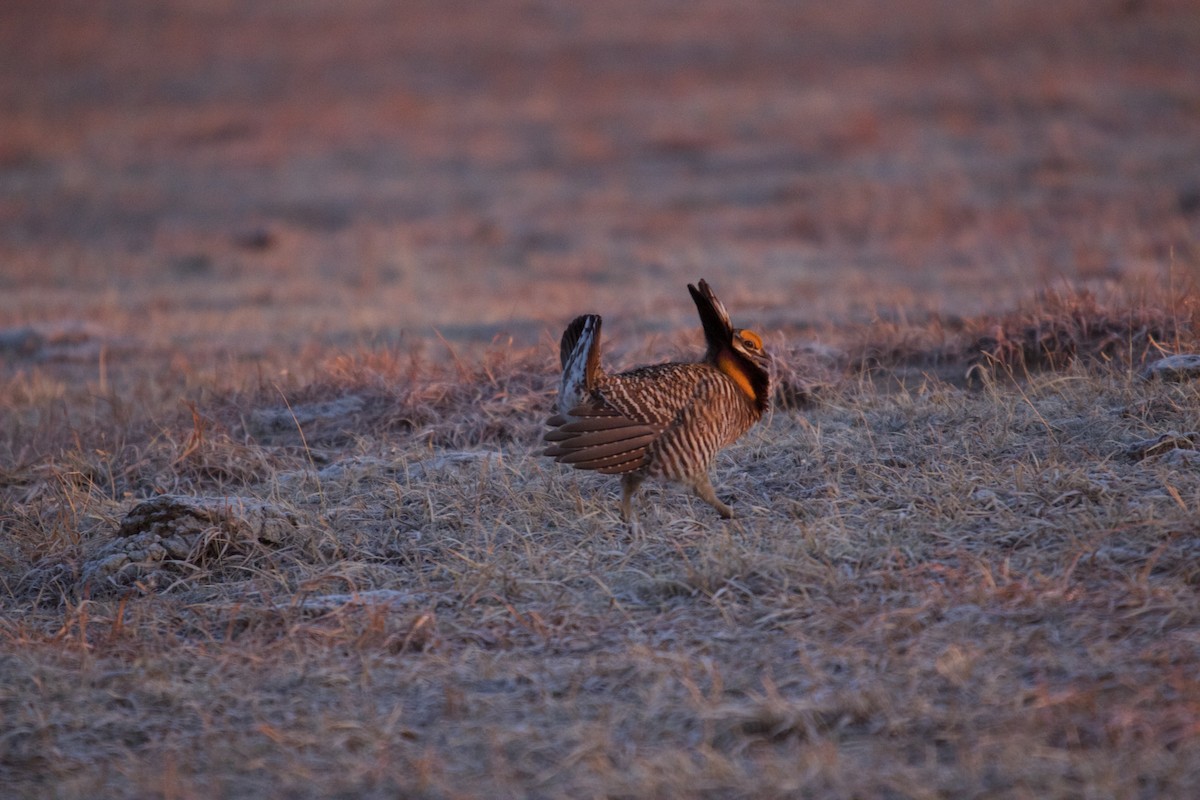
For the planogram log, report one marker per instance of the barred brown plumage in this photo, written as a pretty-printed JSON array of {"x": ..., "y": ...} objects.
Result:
[{"x": 662, "y": 421}]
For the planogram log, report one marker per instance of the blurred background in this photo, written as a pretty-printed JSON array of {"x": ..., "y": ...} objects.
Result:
[{"x": 251, "y": 175}]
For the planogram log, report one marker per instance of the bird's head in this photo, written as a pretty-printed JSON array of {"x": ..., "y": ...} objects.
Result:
[{"x": 738, "y": 352}]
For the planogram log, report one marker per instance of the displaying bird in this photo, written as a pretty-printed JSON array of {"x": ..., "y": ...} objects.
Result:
[{"x": 660, "y": 421}]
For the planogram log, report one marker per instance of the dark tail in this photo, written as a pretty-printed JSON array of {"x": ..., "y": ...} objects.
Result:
[
  {"x": 570, "y": 337},
  {"x": 579, "y": 352}
]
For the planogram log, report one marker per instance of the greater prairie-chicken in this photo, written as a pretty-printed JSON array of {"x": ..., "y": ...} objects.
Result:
[{"x": 660, "y": 421}]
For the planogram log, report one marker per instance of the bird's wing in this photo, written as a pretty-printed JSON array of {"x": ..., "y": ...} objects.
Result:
[
  {"x": 599, "y": 437},
  {"x": 613, "y": 430}
]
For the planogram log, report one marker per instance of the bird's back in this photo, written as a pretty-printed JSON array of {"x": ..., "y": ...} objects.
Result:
[
  {"x": 679, "y": 416},
  {"x": 654, "y": 394}
]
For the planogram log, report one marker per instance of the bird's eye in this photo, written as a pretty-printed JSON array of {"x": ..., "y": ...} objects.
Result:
[{"x": 751, "y": 340}]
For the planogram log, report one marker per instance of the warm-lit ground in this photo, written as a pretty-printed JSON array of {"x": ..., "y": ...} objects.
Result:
[{"x": 302, "y": 267}]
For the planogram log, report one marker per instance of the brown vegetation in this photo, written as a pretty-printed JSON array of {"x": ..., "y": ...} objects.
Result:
[{"x": 279, "y": 298}]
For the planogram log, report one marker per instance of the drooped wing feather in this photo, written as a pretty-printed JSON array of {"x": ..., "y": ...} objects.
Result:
[
  {"x": 599, "y": 438},
  {"x": 616, "y": 428}
]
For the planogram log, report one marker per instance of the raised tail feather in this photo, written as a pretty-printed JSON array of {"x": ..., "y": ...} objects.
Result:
[{"x": 579, "y": 352}]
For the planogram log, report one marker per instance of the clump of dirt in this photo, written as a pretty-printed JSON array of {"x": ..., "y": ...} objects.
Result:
[
  {"x": 171, "y": 538},
  {"x": 1064, "y": 327},
  {"x": 1179, "y": 367},
  {"x": 1172, "y": 446}
]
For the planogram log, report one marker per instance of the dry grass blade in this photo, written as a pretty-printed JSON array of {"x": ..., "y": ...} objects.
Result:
[
  {"x": 923, "y": 584},
  {"x": 280, "y": 293}
]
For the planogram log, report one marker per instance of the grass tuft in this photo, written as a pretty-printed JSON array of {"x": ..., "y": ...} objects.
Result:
[{"x": 367, "y": 578}]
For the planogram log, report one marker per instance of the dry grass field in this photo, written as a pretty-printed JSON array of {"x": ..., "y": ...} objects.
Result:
[{"x": 280, "y": 290}]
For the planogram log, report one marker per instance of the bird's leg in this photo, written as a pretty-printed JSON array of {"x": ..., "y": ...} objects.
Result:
[
  {"x": 630, "y": 482},
  {"x": 704, "y": 490}
]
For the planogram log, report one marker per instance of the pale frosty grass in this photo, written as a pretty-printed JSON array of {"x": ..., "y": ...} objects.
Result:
[{"x": 927, "y": 592}]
